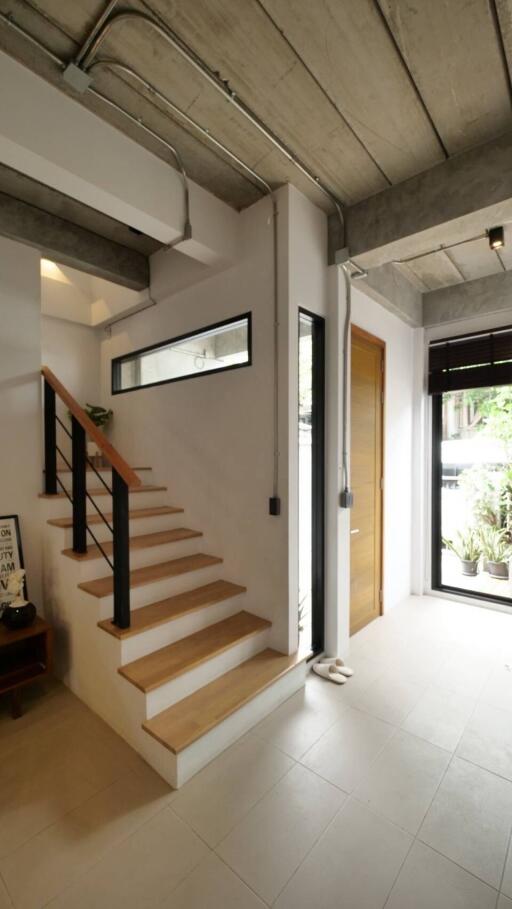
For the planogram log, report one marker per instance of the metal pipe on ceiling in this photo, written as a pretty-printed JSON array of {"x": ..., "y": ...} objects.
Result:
[
  {"x": 92, "y": 34},
  {"x": 220, "y": 85},
  {"x": 8, "y": 20},
  {"x": 117, "y": 66}
]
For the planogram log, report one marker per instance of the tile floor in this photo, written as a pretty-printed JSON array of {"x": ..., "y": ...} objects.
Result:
[{"x": 393, "y": 791}]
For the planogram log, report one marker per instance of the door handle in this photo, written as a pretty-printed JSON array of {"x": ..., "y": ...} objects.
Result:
[{"x": 356, "y": 530}]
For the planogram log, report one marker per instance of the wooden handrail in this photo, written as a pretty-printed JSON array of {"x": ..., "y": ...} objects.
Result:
[{"x": 113, "y": 457}]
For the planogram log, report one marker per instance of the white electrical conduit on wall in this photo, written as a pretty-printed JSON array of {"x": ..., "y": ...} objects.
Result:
[{"x": 84, "y": 60}]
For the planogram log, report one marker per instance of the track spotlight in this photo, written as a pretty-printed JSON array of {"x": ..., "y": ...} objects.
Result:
[{"x": 496, "y": 237}]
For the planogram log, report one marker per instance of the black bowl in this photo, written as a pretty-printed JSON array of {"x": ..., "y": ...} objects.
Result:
[{"x": 19, "y": 616}]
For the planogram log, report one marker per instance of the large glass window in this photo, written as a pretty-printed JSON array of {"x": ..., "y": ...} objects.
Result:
[
  {"x": 473, "y": 491},
  {"x": 226, "y": 345}
]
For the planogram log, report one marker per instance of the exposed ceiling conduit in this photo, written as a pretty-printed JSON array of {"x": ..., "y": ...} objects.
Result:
[
  {"x": 84, "y": 60},
  {"x": 219, "y": 84}
]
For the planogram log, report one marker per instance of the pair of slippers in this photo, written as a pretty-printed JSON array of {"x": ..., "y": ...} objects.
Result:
[{"x": 334, "y": 669}]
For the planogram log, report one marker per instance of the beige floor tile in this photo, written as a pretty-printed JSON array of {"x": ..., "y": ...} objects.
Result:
[
  {"x": 141, "y": 871},
  {"x": 344, "y": 754},
  {"x": 440, "y": 717},
  {"x": 402, "y": 782},
  {"x": 5, "y": 900},
  {"x": 470, "y": 820},
  {"x": 72, "y": 845},
  {"x": 212, "y": 885},
  {"x": 390, "y": 697},
  {"x": 506, "y": 885},
  {"x": 36, "y": 799},
  {"x": 430, "y": 881},
  {"x": 464, "y": 674},
  {"x": 219, "y": 796},
  {"x": 299, "y": 722},
  {"x": 497, "y": 692},
  {"x": 268, "y": 845},
  {"x": 504, "y": 903},
  {"x": 352, "y": 866},
  {"x": 487, "y": 740}
]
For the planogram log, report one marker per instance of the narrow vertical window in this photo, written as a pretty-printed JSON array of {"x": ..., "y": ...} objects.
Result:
[{"x": 311, "y": 482}]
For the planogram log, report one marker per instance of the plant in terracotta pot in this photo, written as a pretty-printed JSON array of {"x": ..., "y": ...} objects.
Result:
[
  {"x": 496, "y": 550},
  {"x": 466, "y": 546},
  {"x": 101, "y": 417}
]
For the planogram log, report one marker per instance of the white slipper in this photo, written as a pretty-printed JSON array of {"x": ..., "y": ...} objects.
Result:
[
  {"x": 339, "y": 666},
  {"x": 329, "y": 672}
]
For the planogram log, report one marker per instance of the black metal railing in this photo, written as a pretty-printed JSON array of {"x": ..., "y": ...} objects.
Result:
[{"x": 119, "y": 492}]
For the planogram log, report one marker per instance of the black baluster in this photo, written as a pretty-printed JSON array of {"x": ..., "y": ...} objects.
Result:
[
  {"x": 79, "y": 487},
  {"x": 121, "y": 551},
  {"x": 50, "y": 442}
]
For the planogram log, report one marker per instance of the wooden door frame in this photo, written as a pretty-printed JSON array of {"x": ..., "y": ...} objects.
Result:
[{"x": 373, "y": 339}]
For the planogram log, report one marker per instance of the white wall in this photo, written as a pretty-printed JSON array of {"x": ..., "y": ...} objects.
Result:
[
  {"x": 209, "y": 438},
  {"x": 20, "y": 390},
  {"x": 72, "y": 351},
  {"x": 398, "y": 449},
  {"x": 306, "y": 288}
]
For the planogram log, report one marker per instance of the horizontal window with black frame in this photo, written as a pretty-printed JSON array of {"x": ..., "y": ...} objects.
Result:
[
  {"x": 215, "y": 348},
  {"x": 470, "y": 380}
]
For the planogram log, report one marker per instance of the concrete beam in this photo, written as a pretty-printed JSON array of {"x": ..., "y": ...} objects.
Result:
[
  {"x": 387, "y": 286},
  {"x": 53, "y": 139},
  {"x": 72, "y": 245},
  {"x": 483, "y": 296},
  {"x": 454, "y": 200}
]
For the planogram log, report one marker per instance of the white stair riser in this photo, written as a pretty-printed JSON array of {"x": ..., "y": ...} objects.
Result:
[
  {"x": 171, "y": 692},
  {"x": 139, "y": 558},
  {"x": 159, "y": 590},
  {"x": 178, "y": 768},
  {"x": 137, "y": 527},
  {"x": 154, "y": 638},
  {"x": 58, "y": 507}
]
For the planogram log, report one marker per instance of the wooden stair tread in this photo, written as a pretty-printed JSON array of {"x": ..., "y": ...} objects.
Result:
[
  {"x": 161, "y": 666},
  {"x": 102, "y": 587},
  {"x": 174, "y": 607},
  {"x": 144, "y": 541},
  {"x": 179, "y": 726},
  {"x": 101, "y": 491},
  {"x": 63, "y": 468},
  {"x": 135, "y": 513}
]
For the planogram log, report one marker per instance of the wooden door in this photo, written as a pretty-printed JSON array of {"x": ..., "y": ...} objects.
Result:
[{"x": 366, "y": 459}]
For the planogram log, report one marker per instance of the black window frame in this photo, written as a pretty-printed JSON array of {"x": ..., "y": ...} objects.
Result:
[
  {"x": 118, "y": 361},
  {"x": 318, "y": 481},
  {"x": 436, "y": 541}
]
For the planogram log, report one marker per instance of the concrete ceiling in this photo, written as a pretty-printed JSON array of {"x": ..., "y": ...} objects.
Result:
[
  {"x": 469, "y": 260},
  {"x": 367, "y": 94}
]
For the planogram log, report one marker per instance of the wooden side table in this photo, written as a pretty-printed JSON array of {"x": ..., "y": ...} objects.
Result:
[{"x": 25, "y": 655}]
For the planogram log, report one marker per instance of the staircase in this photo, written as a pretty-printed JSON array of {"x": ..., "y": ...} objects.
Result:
[{"x": 191, "y": 669}]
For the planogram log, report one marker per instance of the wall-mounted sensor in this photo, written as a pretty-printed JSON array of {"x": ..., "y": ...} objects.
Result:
[{"x": 496, "y": 237}]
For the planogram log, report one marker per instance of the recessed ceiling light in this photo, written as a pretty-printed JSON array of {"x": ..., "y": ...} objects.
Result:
[{"x": 496, "y": 237}]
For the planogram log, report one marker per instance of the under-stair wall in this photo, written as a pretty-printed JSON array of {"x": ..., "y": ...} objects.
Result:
[{"x": 193, "y": 671}]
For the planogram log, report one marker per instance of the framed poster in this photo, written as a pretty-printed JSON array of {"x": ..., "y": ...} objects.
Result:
[{"x": 11, "y": 553}]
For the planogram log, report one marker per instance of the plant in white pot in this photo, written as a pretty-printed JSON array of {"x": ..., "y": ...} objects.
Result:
[
  {"x": 466, "y": 546},
  {"x": 496, "y": 550},
  {"x": 101, "y": 417}
]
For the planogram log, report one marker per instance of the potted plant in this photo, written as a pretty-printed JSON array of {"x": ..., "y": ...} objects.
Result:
[
  {"x": 496, "y": 550},
  {"x": 467, "y": 548},
  {"x": 100, "y": 416}
]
